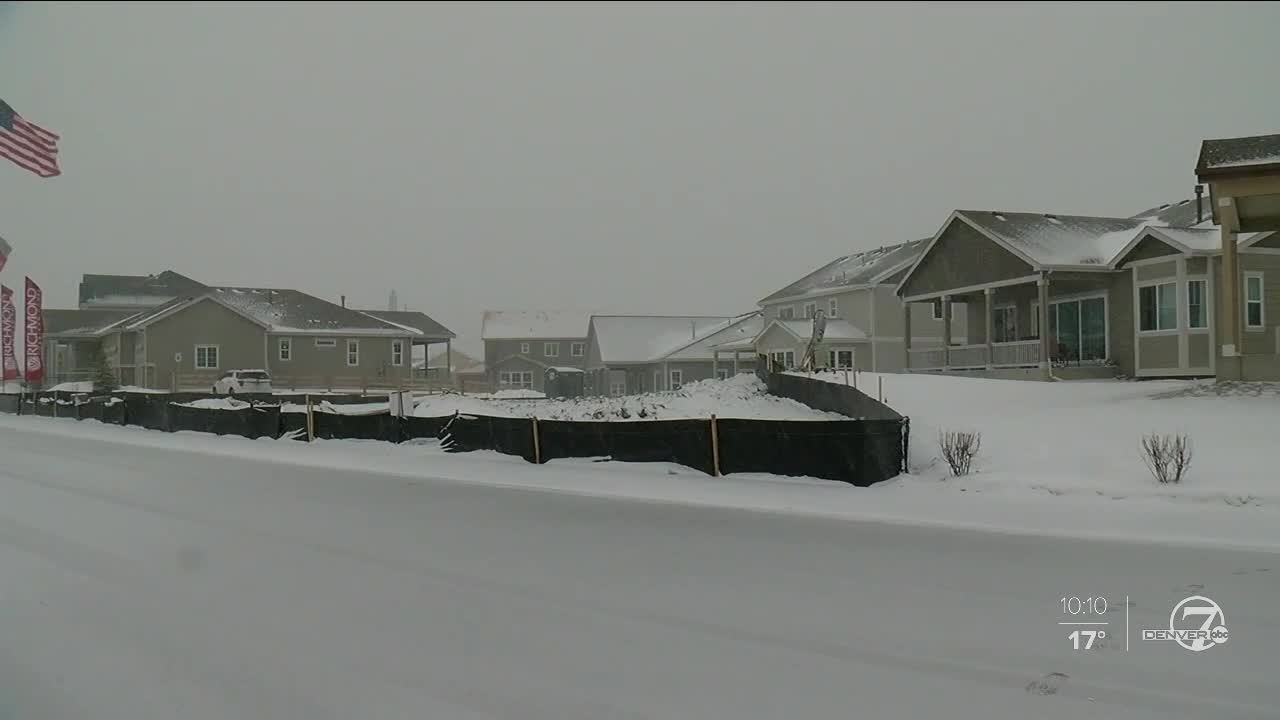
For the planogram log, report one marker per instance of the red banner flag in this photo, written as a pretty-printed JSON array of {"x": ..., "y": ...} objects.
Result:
[
  {"x": 9, "y": 326},
  {"x": 34, "y": 333}
]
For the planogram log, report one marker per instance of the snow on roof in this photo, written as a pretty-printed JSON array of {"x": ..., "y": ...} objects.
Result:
[
  {"x": 743, "y": 328},
  {"x": 81, "y": 322},
  {"x": 1088, "y": 241},
  {"x": 416, "y": 322},
  {"x": 745, "y": 343},
  {"x": 534, "y": 324},
  {"x": 644, "y": 338},
  {"x": 568, "y": 369},
  {"x": 1058, "y": 239},
  {"x": 835, "y": 330},
  {"x": 1239, "y": 152},
  {"x": 860, "y": 268},
  {"x": 285, "y": 310}
]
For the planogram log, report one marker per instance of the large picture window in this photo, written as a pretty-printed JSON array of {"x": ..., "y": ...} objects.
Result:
[{"x": 1158, "y": 307}]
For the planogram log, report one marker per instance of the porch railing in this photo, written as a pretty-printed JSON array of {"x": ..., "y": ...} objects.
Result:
[
  {"x": 930, "y": 358},
  {"x": 1020, "y": 353},
  {"x": 967, "y": 356}
]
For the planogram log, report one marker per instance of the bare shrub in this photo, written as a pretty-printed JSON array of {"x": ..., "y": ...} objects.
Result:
[
  {"x": 1167, "y": 456},
  {"x": 959, "y": 448}
]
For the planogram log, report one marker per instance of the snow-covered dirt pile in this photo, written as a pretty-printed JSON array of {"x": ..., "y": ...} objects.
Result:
[
  {"x": 86, "y": 386},
  {"x": 325, "y": 406},
  {"x": 1083, "y": 437},
  {"x": 742, "y": 396},
  {"x": 216, "y": 404}
]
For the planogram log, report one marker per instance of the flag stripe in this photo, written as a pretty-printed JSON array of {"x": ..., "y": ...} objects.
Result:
[
  {"x": 25, "y": 159},
  {"x": 31, "y": 153},
  {"x": 22, "y": 127},
  {"x": 21, "y": 141},
  {"x": 51, "y": 136}
]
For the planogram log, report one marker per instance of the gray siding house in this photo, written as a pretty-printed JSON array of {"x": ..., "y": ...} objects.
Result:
[
  {"x": 865, "y": 324},
  {"x": 1058, "y": 296},
  {"x": 189, "y": 341},
  {"x": 520, "y": 346},
  {"x": 633, "y": 354}
]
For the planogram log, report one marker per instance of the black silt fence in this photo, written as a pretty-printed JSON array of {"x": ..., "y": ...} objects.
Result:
[
  {"x": 9, "y": 403},
  {"x": 510, "y": 436},
  {"x": 828, "y": 396},
  {"x": 253, "y": 422},
  {"x": 332, "y": 426},
  {"x": 101, "y": 409},
  {"x": 417, "y": 428},
  {"x": 859, "y": 452},
  {"x": 295, "y": 424},
  {"x": 685, "y": 442},
  {"x": 150, "y": 411}
]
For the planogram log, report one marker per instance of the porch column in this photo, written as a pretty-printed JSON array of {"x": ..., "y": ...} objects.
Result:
[
  {"x": 448, "y": 360},
  {"x": 735, "y": 362},
  {"x": 715, "y": 363},
  {"x": 906, "y": 336},
  {"x": 1043, "y": 285},
  {"x": 990, "y": 297},
  {"x": 946, "y": 332},
  {"x": 1231, "y": 322}
]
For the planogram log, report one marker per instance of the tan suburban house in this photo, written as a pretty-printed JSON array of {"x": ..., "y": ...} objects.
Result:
[
  {"x": 1243, "y": 175},
  {"x": 193, "y": 334},
  {"x": 865, "y": 326},
  {"x": 633, "y": 354},
  {"x": 1063, "y": 296},
  {"x": 520, "y": 346}
]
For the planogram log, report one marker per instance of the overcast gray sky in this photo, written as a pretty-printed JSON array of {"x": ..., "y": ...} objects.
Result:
[{"x": 633, "y": 158}]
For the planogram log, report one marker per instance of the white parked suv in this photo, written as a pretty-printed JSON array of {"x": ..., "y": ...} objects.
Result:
[{"x": 243, "y": 381}]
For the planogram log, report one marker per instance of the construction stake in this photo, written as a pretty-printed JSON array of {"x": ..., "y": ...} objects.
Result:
[
  {"x": 537, "y": 449},
  {"x": 715, "y": 447}
]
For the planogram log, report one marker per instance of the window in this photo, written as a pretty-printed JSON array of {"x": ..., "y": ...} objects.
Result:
[
  {"x": 840, "y": 359},
  {"x": 519, "y": 380},
  {"x": 551, "y": 349},
  {"x": 1004, "y": 323},
  {"x": 397, "y": 352},
  {"x": 1197, "y": 315},
  {"x": 524, "y": 349},
  {"x": 785, "y": 358},
  {"x": 206, "y": 357},
  {"x": 810, "y": 309},
  {"x": 722, "y": 373},
  {"x": 657, "y": 380},
  {"x": 833, "y": 308},
  {"x": 326, "y": 343},
  {"x": 286, "y": 349},
  {"x": 677, "y": 378},
  {"x": 1158, "y": 307},
  {"x": 787, "y": 313},
  {"x": 617, "y": 389},
  {"x": 937, "y": 309},
  {"x": 353, "y": 353},
  {"x": 578, "y": 349},
  {"x": 1253, "y": 314}
]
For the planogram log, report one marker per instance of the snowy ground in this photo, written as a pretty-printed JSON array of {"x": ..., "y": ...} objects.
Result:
[
  {"x": 1080, "y": 440},
  {"x": 742, "y": 396},
  {"x": 154, "y": 576}
]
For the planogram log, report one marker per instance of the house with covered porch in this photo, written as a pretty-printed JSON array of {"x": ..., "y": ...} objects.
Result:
[{"x": 1062, "y": 296}]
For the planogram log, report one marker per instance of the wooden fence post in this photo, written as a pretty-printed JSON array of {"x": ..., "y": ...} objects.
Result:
[
  {"x": 715, "y": 447},
  {"x": 880, "y": 392},
  {"x": 537, "y": 447},
  {"x": 311, "y": 423}
]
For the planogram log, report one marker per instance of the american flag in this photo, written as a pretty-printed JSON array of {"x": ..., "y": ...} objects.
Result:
[{"x": 27, "y": 144}]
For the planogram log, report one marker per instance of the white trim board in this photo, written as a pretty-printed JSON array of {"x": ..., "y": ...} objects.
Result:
[{"x": 925, "y": 297}]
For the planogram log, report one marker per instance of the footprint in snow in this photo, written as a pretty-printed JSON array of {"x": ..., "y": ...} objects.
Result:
[{"x": 1047, "y": 685}]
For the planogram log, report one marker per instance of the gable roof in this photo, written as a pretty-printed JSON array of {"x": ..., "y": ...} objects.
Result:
[
  {"x": 459, "y": 361},
  {"x": 137, "y": 289},
  {"x": 744, "y": 327},
  {"x": 859, "y": 269},
  {"x": 83, "y": 323},
  {"x": 1242, "y": 155},
  {"x": 413, "y": 321},
  {"x": 1047, "y": 241},
  {"x": 534, "y": 324},
  {"x": 283, "y": 310},
  {"x": 802, "y": 330},
  {"x": 645, "y": 338}
]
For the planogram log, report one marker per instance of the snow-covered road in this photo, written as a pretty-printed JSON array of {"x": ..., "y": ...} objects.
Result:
[{"x": 140, "y": 583}]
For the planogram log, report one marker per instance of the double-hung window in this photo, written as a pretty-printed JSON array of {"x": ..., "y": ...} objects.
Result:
[
  {"x": 1158, "y": 307},
  {"x": 1254, "y": 317},
  {"x": 1197, "y": 304}
]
